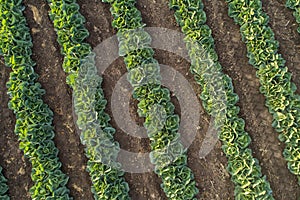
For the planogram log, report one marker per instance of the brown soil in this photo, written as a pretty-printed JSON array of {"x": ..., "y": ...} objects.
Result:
[{"x": 210, "y": 173}]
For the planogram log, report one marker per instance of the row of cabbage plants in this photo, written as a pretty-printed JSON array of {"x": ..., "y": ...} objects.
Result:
[
  {"x": 168, "y": 154},
  {"x": 89, "y": 102},
  {"x": 275, "y": 80},
  {"x": 295, "y": 5},
  {"x": 33, "y": 117},
  {"x": 219, "y": 100},
  {"x": 3, "y": 187}
]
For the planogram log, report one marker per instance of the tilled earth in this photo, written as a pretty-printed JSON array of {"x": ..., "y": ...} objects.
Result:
[{"x": 210, "y": 172}]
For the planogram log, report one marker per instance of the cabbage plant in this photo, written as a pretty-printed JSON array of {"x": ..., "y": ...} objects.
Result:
[
  {"x": 89, "y": 102},
  {"x": 3, "y": 186},
  {"x": 280, "y": 92},
  {"x": 168, "y": 154},
  {"x": 219, "y": 101},
  {"x": 33, "y": 117}
]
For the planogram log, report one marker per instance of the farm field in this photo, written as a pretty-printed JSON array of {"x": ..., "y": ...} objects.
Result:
[{"x": 211, "y": 177}]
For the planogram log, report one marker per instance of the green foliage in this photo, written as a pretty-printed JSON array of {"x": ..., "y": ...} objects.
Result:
[
  {"x": 33, "y": 117},
  {"x": 295, "y": 5},
  {"x": 93, "y": 122},
  {"x": 97, "y": 134},
  {"x": 219, "y": 100},
  {"x": 69, "y": 26},
  {"x": 3, "y": 187},
  {"x": 168, "y": 155},
  {"x": 273, "y": 75}
]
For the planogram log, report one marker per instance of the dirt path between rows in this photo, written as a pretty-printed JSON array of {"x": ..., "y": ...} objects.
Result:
[{"x": 210, "y": 173}]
